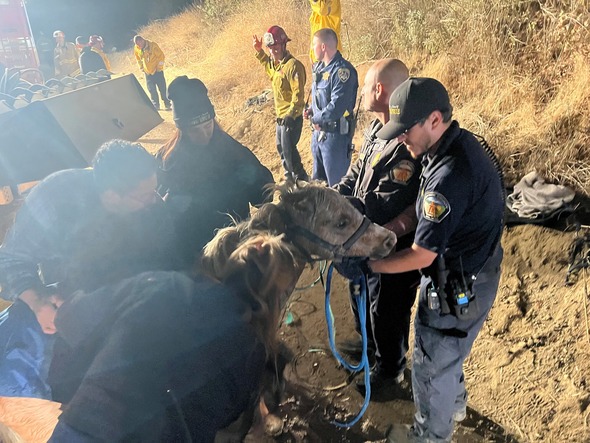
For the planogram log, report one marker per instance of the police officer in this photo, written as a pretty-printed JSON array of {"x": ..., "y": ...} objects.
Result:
[
  {"x": 384, "y": 183},
  {"x": 334, "y": 90},
  {"x": 288, "y": 82},
  {"x": 457, "y": 247}
]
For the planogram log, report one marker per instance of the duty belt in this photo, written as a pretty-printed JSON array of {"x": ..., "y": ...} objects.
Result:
[{"x": 332, "y": 126}]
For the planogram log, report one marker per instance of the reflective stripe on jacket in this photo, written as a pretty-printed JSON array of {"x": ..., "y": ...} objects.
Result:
[
  {"x": 150, "y": 59},
  {"x": 288, "y": 83}
]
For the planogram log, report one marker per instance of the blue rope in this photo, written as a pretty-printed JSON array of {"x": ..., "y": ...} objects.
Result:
[{"x": 360, "y": 296}]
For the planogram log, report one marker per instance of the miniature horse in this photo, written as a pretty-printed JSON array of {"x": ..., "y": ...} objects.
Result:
[{"x": 263, "y": 257}]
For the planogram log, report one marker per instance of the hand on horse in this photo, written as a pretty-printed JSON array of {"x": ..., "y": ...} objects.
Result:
[{"x": 353, "y": 267}]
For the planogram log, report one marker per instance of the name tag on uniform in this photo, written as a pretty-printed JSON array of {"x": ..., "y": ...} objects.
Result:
[{"x": 378, "y": 146}]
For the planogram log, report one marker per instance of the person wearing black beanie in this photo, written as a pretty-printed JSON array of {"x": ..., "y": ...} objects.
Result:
[{"x": 208, "y": 177}]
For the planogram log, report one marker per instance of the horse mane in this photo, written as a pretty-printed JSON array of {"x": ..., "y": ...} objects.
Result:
[
  {"x": 256, "y": 256},
  {"x": 261, "y": 265}
]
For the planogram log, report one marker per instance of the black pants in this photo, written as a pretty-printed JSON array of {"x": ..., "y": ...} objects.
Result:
[
  {"x": 287, "y": 139},
  {"x": 390, "y": 298},
  {"x": 157, "y": 80}
]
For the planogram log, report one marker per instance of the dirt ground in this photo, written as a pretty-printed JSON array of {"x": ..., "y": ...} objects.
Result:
[{"x": 528, "y": 376}]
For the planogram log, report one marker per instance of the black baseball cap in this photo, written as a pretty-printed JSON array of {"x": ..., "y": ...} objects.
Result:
[{"x": 413, "y": 100}]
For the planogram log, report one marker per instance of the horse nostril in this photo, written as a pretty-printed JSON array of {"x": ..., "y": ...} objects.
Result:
[{"x": 390, "y": 242}]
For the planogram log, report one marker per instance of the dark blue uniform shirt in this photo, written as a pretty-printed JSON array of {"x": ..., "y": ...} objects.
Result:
[
  {"x": 460, "y": 203},
  {"x": 334, "y": 90}
]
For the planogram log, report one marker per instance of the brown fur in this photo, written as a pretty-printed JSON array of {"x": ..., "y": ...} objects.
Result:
[
  {"x": 260, "y": 257},
  {"x": 27, "y": 419},
  {"x": 265, "y": 257}
]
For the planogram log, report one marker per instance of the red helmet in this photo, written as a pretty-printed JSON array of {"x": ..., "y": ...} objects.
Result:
[
  {"x": 275, "y": 35},
  {"x": 94, "y": 39}
]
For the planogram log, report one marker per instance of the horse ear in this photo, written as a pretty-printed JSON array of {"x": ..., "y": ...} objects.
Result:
[
  {"x": 216, "y": 253},
  {"x": 267, "y": 218},
  {"x": 290, "y": 182},
  {"x": 302, "y": 204},
  {"x": 260, "y": 254}
]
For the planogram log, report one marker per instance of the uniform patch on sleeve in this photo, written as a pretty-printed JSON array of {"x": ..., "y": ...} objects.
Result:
[
  {"x": 402, "y": 172},
  {"x": 343, "y": 74},
  {"x": 435, "y": 207}
]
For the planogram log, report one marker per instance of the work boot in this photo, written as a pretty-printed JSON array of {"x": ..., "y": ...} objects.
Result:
[
  {"x": 401, "y": 433},
  {"x": 354, "y": 348},
  {"x": 380, "y": 380},
  {"x": 460, "y": 414}
]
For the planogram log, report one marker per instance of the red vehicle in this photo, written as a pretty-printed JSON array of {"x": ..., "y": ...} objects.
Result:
[{"x": 17, "y": 47}]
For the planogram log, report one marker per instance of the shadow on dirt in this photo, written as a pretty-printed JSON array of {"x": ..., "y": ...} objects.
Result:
[{"x": 308, "y": 415}]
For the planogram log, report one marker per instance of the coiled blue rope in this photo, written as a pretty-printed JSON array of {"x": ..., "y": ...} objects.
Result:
[{"x": 360, "y": 287}]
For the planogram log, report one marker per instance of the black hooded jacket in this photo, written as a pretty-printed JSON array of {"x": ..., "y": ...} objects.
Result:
[{"x": 207, "y": 186}]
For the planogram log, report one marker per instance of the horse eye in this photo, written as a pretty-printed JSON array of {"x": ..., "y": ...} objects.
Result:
[{"x": 342, "y": 223}]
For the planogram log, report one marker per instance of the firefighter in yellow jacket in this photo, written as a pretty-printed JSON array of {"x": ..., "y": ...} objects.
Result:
[
  {"x": 150, "y": 59},
  {"x": 288, "y": 81},
  {"x": 65, "y": 56},
  {"x": 324, "y": 14},
  {"x": 96, "y": 44}
]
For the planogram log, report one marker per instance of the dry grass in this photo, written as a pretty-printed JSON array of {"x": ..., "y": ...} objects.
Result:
[{"x": 517, "y": 70}]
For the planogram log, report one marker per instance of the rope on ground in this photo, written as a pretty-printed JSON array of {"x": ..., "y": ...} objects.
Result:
[
  {"x": 322, "y": 269},
  {"x": 309, "y": 385},
  {"x": 360, "y": 295}
]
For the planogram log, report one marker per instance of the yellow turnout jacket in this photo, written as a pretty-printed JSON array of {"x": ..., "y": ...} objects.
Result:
[
  {"x": 150, "y": 59},
  {"x": 288, "y": 81},
  {"x": 324, "y": 14}
]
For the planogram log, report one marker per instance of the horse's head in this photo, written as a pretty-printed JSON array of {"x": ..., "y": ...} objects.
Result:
[{"x": 323, "y": 223}]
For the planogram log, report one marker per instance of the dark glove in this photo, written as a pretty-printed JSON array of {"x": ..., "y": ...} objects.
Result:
[
  {"x": 353, "y": 267},
  {"x": 356, "y": 202}
]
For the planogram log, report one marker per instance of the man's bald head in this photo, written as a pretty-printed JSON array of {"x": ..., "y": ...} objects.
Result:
[
  {"x": 380, "y": 81},
  {"x": 391, "y": 72}
]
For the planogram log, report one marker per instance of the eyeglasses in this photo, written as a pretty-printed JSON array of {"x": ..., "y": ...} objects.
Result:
[{"x": 418, "y": 122}]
